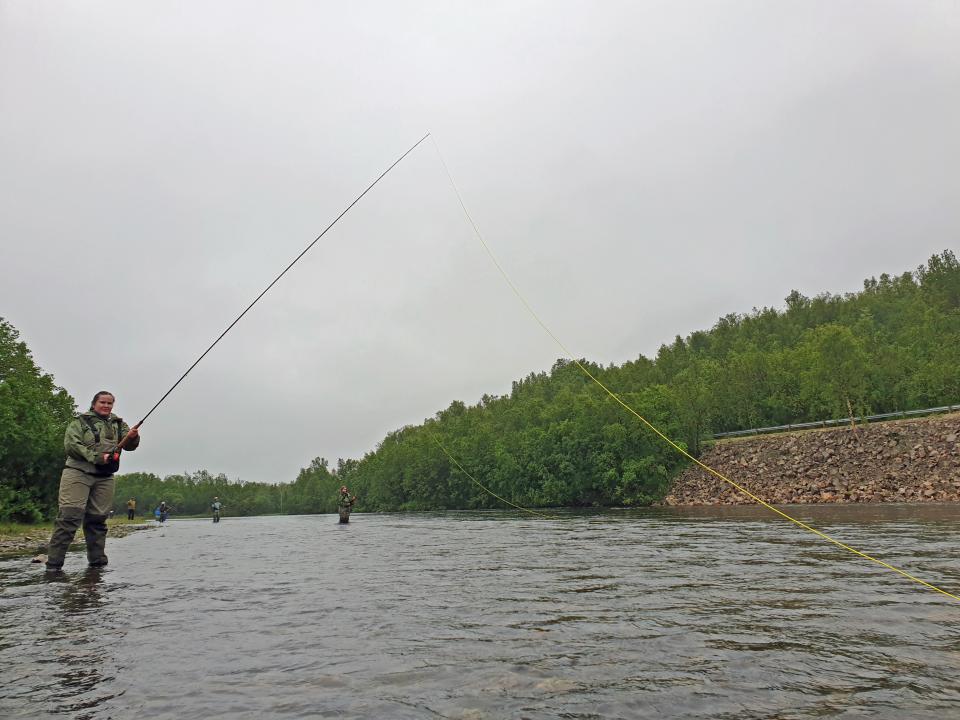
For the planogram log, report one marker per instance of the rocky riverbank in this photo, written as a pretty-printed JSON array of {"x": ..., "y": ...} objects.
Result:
[
  {"x": 30, "y": 540},
  {"x": 901, "y": 461}
]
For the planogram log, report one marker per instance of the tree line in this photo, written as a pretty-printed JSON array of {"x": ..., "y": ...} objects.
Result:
[
  {"x": 556, "y": 439},
  {"x": 190, "y": 494}
]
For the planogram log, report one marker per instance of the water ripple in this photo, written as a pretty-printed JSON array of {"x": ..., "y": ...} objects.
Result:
[{"x": 660, "y": 613}]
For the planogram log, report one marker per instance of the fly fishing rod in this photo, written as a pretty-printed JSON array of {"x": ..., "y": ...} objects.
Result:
[{"x": 196, "y": 362}]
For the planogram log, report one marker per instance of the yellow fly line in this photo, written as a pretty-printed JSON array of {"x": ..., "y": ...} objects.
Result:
[
  {"x": 646, "y": 422},
  {"x": 477, "y": 482}
]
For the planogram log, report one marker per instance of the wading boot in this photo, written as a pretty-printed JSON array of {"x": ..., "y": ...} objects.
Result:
[
  {"x": 95, "y": 533},
  {"x": 64, "y": 528}
]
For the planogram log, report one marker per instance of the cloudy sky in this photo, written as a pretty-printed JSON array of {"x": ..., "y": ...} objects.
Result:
[{"x": 639, "y": 168}]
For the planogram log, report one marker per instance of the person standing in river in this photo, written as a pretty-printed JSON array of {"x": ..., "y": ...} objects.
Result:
[
  {"x": 86, "y": 484},
  {"x": 345, "y": 504},
  {"x": 215, "y": 507}
]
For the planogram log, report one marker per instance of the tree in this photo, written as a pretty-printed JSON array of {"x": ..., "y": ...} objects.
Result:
[
  {"x": 692, "y": 395},
  {"x": 34, "y": 413},
  {"x": 835, "y": 371}
]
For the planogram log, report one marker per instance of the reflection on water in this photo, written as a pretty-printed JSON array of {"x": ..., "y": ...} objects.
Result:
[
  {"x": 682, "y": 613},
  {"x": 54, "y": 630},
  {"x": 78, "y": 671}
]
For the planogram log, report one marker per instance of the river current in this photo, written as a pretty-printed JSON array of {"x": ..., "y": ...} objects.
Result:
[{"x": 661, "y": 613}]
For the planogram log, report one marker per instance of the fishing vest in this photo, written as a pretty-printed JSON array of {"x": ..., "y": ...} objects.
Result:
[{"x": 103, "y": 442}]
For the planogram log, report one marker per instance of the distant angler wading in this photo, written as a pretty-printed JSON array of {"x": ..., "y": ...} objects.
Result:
[
  {"x": 345, "y": 504},
  {"x": 92, "y": 442}
]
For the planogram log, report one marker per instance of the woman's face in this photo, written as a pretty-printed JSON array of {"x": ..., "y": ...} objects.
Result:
[{"x": 103, "y": 405}]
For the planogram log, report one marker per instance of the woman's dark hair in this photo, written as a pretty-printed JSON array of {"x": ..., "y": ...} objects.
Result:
[{"x": 97, "y": 397}]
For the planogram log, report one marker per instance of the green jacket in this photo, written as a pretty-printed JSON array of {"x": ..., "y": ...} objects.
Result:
[
  {"x": 83, "y": 452},
  {"x": 345, "y": 502}
]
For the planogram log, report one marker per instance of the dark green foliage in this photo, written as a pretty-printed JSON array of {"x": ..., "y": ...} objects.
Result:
[
  {"x": 190, "y": 494},
  {"x": 186, "y": 494},
  {"x": 33, "y": 415},
  {"x": 556, "y": 440}
]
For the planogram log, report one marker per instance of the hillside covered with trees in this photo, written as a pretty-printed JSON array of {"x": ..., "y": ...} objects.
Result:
[{"x": 556, "y": 439}]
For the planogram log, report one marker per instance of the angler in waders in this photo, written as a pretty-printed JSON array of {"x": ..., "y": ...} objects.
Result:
[
  {"x": 92, "y": 445},
  {"x": 345, "y": 504}
]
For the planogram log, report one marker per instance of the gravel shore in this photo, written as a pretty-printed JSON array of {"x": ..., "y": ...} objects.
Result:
[{"x": 34, "y": 541}]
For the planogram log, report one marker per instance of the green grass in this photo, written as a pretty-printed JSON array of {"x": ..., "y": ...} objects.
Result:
[
  {"x": 18, "y": 530},
  {"x": 9, "y": 530}
]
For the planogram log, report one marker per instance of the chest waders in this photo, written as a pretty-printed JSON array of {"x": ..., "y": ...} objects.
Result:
[
  {"x": 344, "y": 506},
  {"x": 85, "y": 500}
]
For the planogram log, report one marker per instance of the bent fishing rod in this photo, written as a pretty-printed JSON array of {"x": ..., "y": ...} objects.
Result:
[{"x": 196, "y": 362}]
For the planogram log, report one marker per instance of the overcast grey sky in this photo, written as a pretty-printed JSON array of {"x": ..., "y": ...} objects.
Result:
[{"x": 639, "y": 168}]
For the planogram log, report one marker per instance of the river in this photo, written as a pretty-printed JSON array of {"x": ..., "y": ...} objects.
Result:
[{"x": 679, "y": 613}]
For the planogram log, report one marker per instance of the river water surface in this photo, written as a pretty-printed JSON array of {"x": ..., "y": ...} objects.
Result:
[{"x": 640, "y": 614}]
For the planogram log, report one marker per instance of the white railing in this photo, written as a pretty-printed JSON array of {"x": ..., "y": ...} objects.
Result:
[{"x": 838, "y": 421}]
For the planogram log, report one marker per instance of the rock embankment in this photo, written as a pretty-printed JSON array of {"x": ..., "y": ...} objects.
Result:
[{"x": 900, "y": 461}]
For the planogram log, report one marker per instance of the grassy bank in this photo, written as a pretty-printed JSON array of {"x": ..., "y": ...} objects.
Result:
[{"x": 19, "y": 539}]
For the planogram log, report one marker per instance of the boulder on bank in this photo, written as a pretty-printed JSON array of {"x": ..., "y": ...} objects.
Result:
[{"x": 900, "y": 461}]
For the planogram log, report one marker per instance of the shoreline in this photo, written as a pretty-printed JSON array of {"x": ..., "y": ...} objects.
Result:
[{"x": 20, "y": 540}]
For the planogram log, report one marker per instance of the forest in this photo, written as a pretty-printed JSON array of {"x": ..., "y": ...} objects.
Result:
[{"x": 557, "y": 439}]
